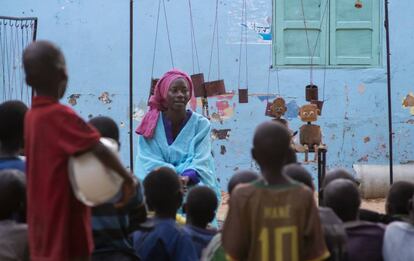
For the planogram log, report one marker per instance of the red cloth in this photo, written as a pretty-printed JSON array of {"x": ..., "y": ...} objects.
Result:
[{"x": 59, "y": 224}]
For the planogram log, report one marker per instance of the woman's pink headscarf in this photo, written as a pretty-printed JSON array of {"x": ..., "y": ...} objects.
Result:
[{"x": 158, "y": 101}]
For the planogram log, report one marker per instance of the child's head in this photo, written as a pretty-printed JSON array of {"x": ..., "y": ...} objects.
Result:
[
  {"x": 106, "y": 127},
  {"x": 271, "y": 143},
  {"x": 338, "y": 173},
  {"x": 398, "y": 196},
  {"x": 299, "y": 173},
  {"x": 411, "y": 205},
  {"x": 241, "y": 177},
  {"x": 163, "y": 192},
  {"x": 45, "y": 69},
  {"x": 12, "y": 192},
  {"x": 342, "y": 196},
  {"x": 11, "y": 126},
  {"x": 201, "y": 206}
]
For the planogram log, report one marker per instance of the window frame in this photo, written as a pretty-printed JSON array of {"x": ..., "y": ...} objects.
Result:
[{"x": 380, "y": 49}]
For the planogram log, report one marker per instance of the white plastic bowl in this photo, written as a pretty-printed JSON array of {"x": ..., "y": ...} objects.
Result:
[{"x": 93, "y": 183}]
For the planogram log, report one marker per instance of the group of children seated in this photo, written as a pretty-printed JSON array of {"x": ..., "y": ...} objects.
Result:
[{"x": 272, "y": 215}]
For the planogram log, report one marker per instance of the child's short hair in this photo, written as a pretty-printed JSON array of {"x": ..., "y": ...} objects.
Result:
[
  {"x": 201, "y": 205},
  {"x": 162, "y": 189},
  {"x": 271, "y": 143},
  {"x": 106, "y": 126},
  {"x": 342, "y": 196},
  {"x": 398, "y": 197},
  {"x": 338, "y": 173},
  {"x": 11, "y": 125},
  {"x": 241, "y": 177},
  {"x": 12, "y": 192},
  {"x": 42, "y": 60},
  {"x": 299, "y": 173}
]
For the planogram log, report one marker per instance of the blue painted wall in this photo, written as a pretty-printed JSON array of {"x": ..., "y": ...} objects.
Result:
[{"x": 94, "y": 37}]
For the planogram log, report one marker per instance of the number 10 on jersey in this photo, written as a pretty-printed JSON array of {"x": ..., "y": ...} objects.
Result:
[{"x": 279, "y": 248}]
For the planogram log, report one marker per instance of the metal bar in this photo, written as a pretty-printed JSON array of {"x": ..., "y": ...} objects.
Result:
[
  {"x": 131, "y": 67},
  {"x": 319, "y": 176},
  {"x": 18, "y": 18},
  {"x": 390, "y": 131},
  {"x": 35, "y": 30}
]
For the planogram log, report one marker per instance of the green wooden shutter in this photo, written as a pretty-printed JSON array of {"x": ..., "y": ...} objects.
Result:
[
  {"x": 290, "y": 41},
  {"x": 354, "y": 33}
]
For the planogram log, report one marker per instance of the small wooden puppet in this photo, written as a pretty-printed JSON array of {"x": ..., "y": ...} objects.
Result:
[{"x": 310, "y": 134}]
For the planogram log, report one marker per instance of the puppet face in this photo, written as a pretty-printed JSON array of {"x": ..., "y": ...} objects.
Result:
[
  {"x": 278, "y": 107},
  {"x": 309, "y": 113}
]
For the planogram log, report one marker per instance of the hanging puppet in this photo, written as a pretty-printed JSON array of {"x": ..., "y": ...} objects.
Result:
[{"x": 310, "y": 134}]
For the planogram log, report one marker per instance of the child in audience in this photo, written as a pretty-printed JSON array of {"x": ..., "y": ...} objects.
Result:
[
  {"x": 300, "y": 174},
  {"x": 241, "y": 177},
  {"x": 110, "y": 225},
  {"x": 165, "y": 240},
  {"x": 399, "y": 239},
  {"x": 59, "y": 224},
  {"x": 364, "y": 239},
  {"x": 398, "y": 197},
  {"x": 364, "y": 214},
  {"x": 11, "y": 134},
  {"x": 264, "y": 212},
  {"x": 13, "y": 236},
  {"x": 201, "y": 207},
  {"x": 214, "y": 251},
  {"x": 333, "y": 230}
]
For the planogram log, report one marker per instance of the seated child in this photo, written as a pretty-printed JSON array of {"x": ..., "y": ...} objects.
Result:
[
  {"x": 364, "y": 239},
  {"x": 59, "y": 224},
  {"x": 333, "y": 230},
  {"x": 241, "y": 177},
  {"x": 165, "y": 240},
  {"x": 398, "y": 197},
  {"x": 264, "y": 212},
  {"x": 110, "y": 225},
  {"x": 214, "y": 251},
  {"x": 364, "y": 214},
  {"x": 13, "y": 236},
  {"x": 399, "y": 238},
  {"x": 201, "y": 207},
  {"x": 11, "y": 134}
]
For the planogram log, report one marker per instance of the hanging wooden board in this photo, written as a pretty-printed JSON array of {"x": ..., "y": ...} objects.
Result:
[
  {"x": 311, "y": 92},
  {"x": 319, "y": 104},
  {"x": 243, "y": 95},
  {"x": 215, "y": 88},
  {"x": 152, "y": 87},
  {"x": 198, "y": 83}
]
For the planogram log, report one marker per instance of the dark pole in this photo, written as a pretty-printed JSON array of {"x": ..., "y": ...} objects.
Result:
[
  {"x": 387, "y": 31},
  {"x": 131, "y": 71}
]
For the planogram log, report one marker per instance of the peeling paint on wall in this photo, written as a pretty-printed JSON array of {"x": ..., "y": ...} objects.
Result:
[
  {"x": 104, "y": 98},
  {"x": 72, "y": 99},
  {"x": 222, "y": 134},
  {"x": 223, "y": 150}
]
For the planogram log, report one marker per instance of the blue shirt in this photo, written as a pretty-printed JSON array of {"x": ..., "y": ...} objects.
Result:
[
  {"x": 166, "y": 241},
  {"x": 190, "y": 173},
  {"x": 12, "y": 163},
  {"x": 201, "y": 237}
]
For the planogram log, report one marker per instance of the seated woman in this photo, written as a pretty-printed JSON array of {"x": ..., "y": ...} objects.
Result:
[{"x": 172, "y": 136}]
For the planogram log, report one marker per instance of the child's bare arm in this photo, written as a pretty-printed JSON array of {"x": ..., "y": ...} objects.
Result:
[{"x": 111, "y": 161}]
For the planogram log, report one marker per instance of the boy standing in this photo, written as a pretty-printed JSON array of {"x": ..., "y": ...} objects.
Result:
[
  {"x": 273, "y": 218},
  {"x": 59, "y": 225}
]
